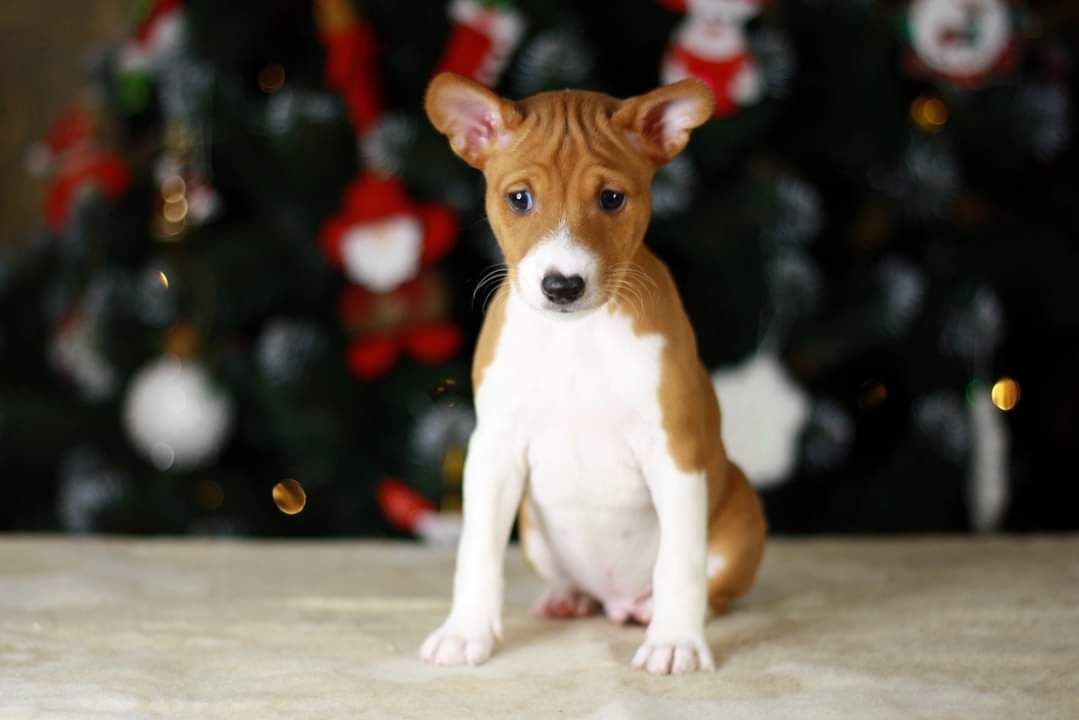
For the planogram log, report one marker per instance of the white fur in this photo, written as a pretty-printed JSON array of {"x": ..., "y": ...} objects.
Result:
[
  {"x": 558, "y": 252},
  {"x": 569, "y": 412}
]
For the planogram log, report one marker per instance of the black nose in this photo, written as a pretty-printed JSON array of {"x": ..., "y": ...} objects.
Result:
[{"x": 561, "y": 289}]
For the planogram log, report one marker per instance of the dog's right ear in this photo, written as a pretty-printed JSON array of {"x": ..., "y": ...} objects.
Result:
[{"x": 477, "y": 121}]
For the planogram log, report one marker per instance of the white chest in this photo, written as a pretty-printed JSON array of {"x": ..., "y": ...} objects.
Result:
[{"x": 579, "y": 398}]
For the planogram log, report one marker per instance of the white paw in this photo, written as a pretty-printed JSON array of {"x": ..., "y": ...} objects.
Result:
[
  {"x": 674, "y": 658},
  {"x": 456, "y": 644}
]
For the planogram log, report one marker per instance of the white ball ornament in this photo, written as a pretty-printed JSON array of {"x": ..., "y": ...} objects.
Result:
[
  {"x": 763, "y": 415},
  {"x": 174, "y": 415}
]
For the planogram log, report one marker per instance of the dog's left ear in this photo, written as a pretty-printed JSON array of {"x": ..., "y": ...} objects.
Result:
[
  {"x": 477, "y": 122},
  {"x": 660, "y": 121}
]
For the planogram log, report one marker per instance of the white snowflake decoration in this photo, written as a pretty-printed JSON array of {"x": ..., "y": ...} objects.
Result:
[{"x": 764, "y": 414}]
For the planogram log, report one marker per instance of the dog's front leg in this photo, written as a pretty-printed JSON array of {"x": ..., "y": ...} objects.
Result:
[
  {"x": 675, "y": 640},
  {"x": 493, "y": 486}
]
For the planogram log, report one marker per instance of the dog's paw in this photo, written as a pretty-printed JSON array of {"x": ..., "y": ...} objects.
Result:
[
  {"x": 458, "y": 644},
  {"x": 563, "y": 604},
  {"x": 675, "y": 657}
]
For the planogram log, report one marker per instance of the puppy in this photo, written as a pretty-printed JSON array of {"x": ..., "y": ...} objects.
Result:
[{"x": 596, "y": 419}]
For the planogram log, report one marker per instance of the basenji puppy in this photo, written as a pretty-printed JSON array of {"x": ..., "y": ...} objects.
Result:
[{"x": 595, "y": 418}]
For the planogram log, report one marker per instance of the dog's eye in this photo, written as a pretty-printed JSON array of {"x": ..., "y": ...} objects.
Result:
[
  {"x": 611, "y": 200},
  {"x": 520, "y": 201}
]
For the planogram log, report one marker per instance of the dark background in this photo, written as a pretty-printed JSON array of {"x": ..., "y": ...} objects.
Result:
[{"x": 898, "y": 271}]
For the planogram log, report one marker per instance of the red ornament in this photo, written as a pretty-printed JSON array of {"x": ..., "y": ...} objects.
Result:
[
  {"x": 482, "y": 40},
  {"x": 351, "y": 61},
  {"x": 434, "y": 344},
  {"x": 402, "y": 506},
  {"x": 371, "y": 358},
  {"x": 71, "y": 153}
]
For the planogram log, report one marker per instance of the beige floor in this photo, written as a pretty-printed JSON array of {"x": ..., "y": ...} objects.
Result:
[{"x": 835, "y": 629}]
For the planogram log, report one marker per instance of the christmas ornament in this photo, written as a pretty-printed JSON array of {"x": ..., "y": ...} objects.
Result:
[
  {"x": 764, "y": 414},
  {"x": 409, "y": 511},
  {"x": 411, "y": 319},
  {"x": 174, "y": 414},
  {"x": 483, "y": 38},
  {"x": 159, "y": 31},
  {"x": 797, "y": 215},
  {"x": 351, "y": 60},
  {"x": 74, "y": 352},
  {"x": 382, "y": 237},
  {"x": 961, "y": 42},
  {"x": 77, "y": 165},
  {"x": 711, "y": 45}
]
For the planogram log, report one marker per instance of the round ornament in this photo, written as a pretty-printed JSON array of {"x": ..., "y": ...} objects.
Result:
[
  {"x": 174, "y": 415},
  {"x": 963, "y": 42}
]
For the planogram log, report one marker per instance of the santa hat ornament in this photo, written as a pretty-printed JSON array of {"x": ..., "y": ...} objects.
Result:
[
  {"x": 484, "y": 36},
  {"x": 961, "y": 42},
  {"x": 711, "y": 45},
  {"x": 158, "y": 32}
]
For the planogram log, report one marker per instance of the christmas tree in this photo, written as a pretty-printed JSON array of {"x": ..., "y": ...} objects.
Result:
[{"x": 252, "y": 307}]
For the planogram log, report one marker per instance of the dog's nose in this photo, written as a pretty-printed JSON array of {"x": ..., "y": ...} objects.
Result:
[{"x": 561, "y": 289}]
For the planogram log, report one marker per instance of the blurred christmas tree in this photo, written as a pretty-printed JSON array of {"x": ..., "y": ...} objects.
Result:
[{"x": 263, "y": 270}]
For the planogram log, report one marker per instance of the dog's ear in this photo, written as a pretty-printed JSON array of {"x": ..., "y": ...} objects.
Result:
[
  {"x": 476, "y": 121},
  {"x": 659, "y": 122}
]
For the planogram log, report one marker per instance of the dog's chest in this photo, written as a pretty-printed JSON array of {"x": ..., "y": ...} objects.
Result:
[{"x": 581, "y": 399}]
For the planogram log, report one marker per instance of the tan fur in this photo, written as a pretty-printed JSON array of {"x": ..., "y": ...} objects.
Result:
[{"x": 565, "y": 147}]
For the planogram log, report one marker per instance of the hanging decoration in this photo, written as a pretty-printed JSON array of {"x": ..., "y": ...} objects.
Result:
[
  {"x": 76, "y": 162},
  {"x": 711, "y": 44},
  {"x": 384, "y": 240},
  {"x": 382, "y": 237},
  {"x": 411, "y": 320},
  {"x": 482, "y": 40},
  {"x": 964, "y": 43}
]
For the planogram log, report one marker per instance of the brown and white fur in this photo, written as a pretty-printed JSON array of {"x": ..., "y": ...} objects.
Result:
[{"x": 596, "y": 419}]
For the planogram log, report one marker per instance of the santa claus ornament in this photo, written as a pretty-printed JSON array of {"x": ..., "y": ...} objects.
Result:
[
  {"x": 711, "y": 45},
  {"x": 961, "y": 42},
  {"x": 382, "y": 237}
]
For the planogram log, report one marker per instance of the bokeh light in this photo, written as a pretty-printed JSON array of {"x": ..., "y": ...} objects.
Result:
[
  {"x": 271, "y": 78},
  {"x": 289, "y": 496},
  {"x": 929, "y": 113},
  {"x": 1005, "y": 393}
]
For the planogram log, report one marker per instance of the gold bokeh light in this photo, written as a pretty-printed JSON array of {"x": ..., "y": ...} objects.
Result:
[
  {"x": 929, "y": 113},
  {"x": 289, "y": 496},
  {"x": 1005, "y": 393}
]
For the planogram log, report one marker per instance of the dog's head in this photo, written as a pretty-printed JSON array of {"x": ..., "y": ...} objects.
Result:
[{"x": 569, "y": 177}]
